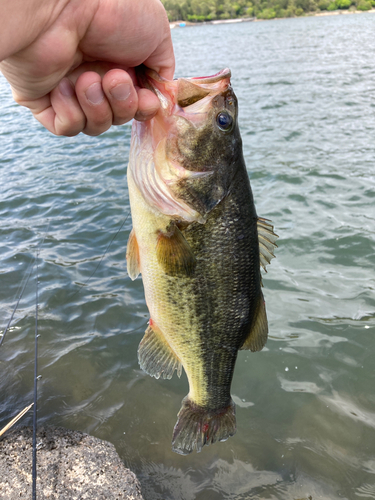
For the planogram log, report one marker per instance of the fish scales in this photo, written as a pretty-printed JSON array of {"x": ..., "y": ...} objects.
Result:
[{"x": 200, "y": 265}]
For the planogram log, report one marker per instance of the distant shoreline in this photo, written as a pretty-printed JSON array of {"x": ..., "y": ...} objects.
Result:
[{"x": 183, "y": 24}]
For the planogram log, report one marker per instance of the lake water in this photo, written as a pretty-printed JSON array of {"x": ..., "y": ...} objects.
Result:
[{"x": 306, "y": 403}]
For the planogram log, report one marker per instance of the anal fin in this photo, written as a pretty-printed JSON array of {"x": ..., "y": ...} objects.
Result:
[
  {"x": 155, "y": 355},
  {"x": 132, "y": 256},
  {"x": 258, "y": 334}
]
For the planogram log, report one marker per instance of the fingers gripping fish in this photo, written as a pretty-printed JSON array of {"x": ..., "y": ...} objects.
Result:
[{"x": 198, "y": 243}]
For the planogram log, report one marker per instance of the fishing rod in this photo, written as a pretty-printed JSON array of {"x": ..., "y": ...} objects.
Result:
[
  {"x": 35, "y": 378},
  {"x": 36, "y": 336},
  {"x": 25, "y": 410}
]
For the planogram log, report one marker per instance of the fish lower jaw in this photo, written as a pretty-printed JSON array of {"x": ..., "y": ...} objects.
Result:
[{"x": 198, "y": 426}]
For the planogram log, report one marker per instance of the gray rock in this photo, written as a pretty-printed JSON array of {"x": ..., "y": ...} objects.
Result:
[{"x": 71, "y": 465}]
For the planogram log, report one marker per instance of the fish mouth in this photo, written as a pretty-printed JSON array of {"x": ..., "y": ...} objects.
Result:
[
  {"x": 217, "y": 77},
  {"x": 146, "y": 75},
  {"x": 182, "y": 92}
]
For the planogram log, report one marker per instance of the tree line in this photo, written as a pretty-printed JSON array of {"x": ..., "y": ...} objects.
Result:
[{"x": 210, "y": 10}]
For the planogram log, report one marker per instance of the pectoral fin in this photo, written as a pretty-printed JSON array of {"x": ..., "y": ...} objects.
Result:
[
  {"x": 132, "y": 256},
  {"x": 174, "y": 253},
  {"x": 267, "y": 241},
  {"x": 257, "y": 337},
  {"x": 155, "y": 356}
]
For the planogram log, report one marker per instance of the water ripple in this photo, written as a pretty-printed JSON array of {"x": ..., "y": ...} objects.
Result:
[{"x": 305, "y": 404}]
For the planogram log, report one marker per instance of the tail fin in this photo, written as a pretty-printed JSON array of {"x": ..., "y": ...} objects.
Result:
[{"x": 197, "y": 426}]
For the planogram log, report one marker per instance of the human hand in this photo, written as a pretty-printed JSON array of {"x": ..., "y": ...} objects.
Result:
[{"x": 73, "y": 66}]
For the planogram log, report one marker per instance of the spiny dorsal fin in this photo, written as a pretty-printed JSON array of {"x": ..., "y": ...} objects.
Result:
[
  {"x": 132, "y": 256},
  {"x": 155, "y": 356},
  {"x": 257, "y": 337},
  {"x": 267, "y": 241},
  {"x": 174, "y": 253}
]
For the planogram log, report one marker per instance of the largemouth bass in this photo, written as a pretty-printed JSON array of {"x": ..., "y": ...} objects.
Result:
[{"x": 199, "y": 244}]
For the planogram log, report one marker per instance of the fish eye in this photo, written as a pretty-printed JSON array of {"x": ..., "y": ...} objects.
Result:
[{"x": 224, "y": 121}]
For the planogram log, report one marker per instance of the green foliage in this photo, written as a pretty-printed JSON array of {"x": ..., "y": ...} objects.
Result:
[
  {"x": 343, "y": 4},
  {"x": 207, "y": 10},
  {"x": 337, "y": 4},
  {"x": 364, "y": 5},
  {"x": 195, "y": 18},
  {"x": 267, "y": 14},
  {"x": 305, "y": 5},
  {"x": 323, "y": 4}
]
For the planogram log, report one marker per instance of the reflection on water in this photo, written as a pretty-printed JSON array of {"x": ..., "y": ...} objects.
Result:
[{"x": 305, "y": 404}]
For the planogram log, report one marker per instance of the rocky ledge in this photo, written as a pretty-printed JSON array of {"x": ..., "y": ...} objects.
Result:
[{"x": 71, "y": 465}]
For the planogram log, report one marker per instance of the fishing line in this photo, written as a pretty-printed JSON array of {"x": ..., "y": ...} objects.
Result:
[
  {"x": 92, "y": 274},
  {"x": 138, "y": 328},
  {"x": 22, "y": 288},
  {"x": 17, "y": 303},
  {"x": 101, "y": 260}
]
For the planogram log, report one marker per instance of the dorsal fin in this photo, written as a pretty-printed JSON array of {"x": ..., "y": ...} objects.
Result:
[
  {"x": 267, "y": 241},
  {"x": 155, "y": 355},
  {"x": 258, "y": 334},
  {"x": 132, "y": 256}
]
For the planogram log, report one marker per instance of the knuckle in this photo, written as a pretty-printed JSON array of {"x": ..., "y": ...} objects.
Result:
[
  {"x": 99, "y": 122},
  {"x": 120, "y": 121},
  {"x": 92, "y": 130},
  {"x": 18, "y": 99},
  {"x": 125, "y": 113},
  {"x": 70, "y": 127}
]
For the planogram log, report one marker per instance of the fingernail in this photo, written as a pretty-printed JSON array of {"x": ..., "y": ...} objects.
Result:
[
  {"x": 66, "y": 88},
  {"x": 121, "y": 92},
  {"x": 95, "y": 94}
]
